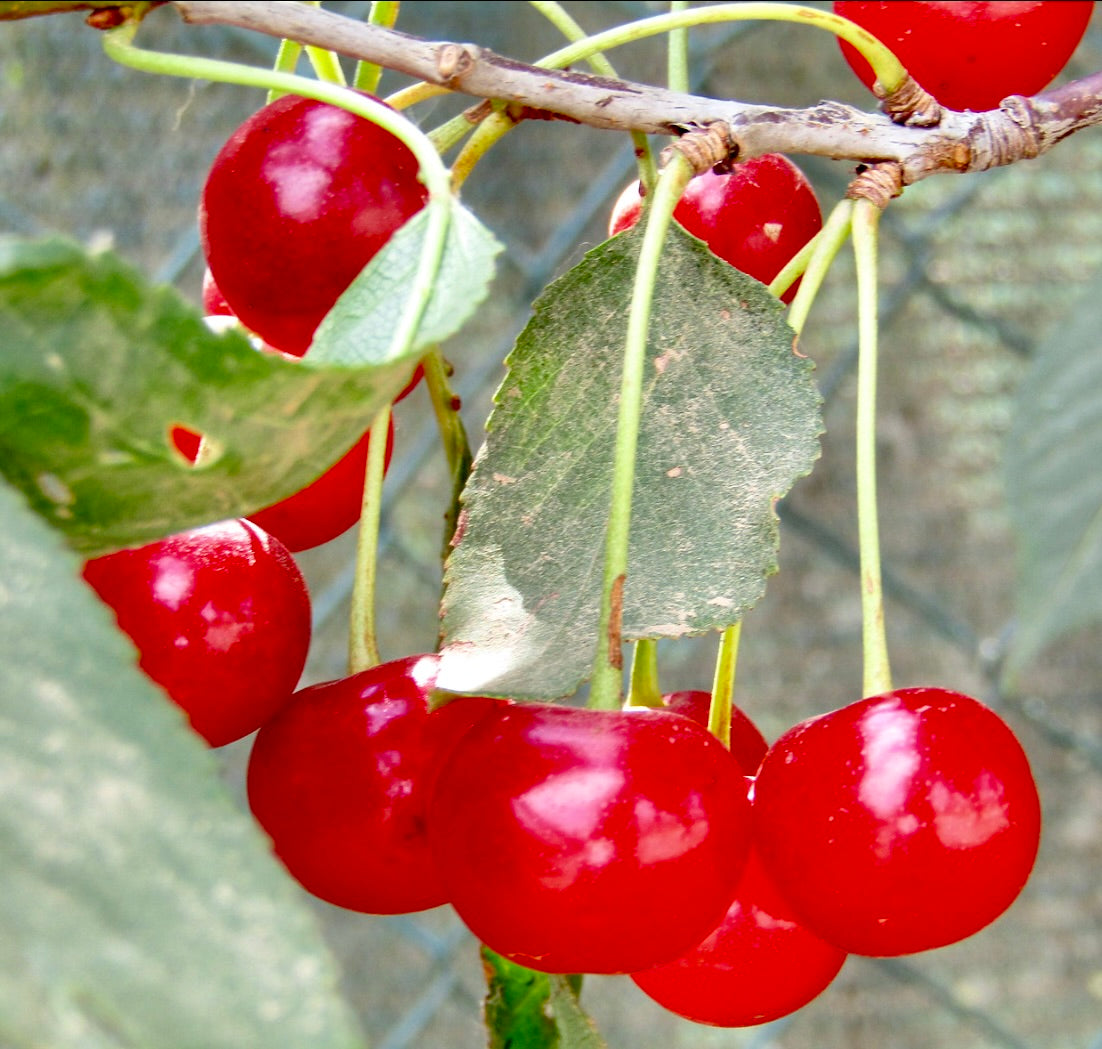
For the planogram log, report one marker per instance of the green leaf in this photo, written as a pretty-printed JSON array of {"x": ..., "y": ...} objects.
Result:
[
  {"x": 141, "y": 906},
  {"x": 1054, "y": 488},
  {"x": 525, "y": 1009},
  {"x": 731, "y": 419},
  {"x": 96, "y": 367},
  {"x": 360, "y": 327}
]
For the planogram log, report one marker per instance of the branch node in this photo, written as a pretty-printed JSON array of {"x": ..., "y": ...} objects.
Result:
[
  {"x": 453, "y": 62},
  {"x": 710, "y": 147},
  {"x": 879, "y": 183},
  {"x": 910, "y": 104}
]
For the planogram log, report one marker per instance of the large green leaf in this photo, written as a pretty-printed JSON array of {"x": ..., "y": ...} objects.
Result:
[
  {"x": 525, "y": 1009},
  {"x": 731, "y": 419},
  {"x": 1054, "y": 486},
  {"x": 360, "y": 327},
  {"x": 95, "y": 369},
  {"x": 140, "y": 905}
]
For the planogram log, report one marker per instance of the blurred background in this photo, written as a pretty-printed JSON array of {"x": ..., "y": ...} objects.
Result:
[{"x": 976, "y": 271}]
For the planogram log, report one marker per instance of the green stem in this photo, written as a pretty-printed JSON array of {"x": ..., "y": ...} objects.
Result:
[
  {"x": 794, "y": 268},
  {"x": 723, "y": 687},
  {"x": 573, "y": 32},
  {"x": 326, "y": 65},
  {"x": 677, "y": 55},
  {"x": 453, "y": 436},
  {"x": 367, "y": 74},
  {"x": 363, "y": 646},
  {"x": 888, "y": 69},
  {"x": 607, "y": 677},
  {"x": 877, "y": 673},
  {"x": 644, "y": 689},
  {"x": 494, "y": 128},
  {"x": 824, "y": 248},
  {"x": 286, "y": 62}
]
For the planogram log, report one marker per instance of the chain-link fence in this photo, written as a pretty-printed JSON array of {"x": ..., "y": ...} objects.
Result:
[{"x": 976, "y": 270}]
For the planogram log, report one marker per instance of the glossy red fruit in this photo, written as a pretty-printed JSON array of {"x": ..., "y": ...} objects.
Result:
[
  {"x": 297, "y": 202},
  {"x": 902, "y": 822},
  {"x": 221, "y": 618},
  {"x": 594, "y": 841},
  {"x": 756, "y": 217},
  {"x": 972, "y": 55},
  {"x": 214, "y": 302},
  {"x": 760, "y": 963},
  {"x": 340, "y": 780},
  {"x": 747, "y": 745},
  {"x": 327, "y": 507}
]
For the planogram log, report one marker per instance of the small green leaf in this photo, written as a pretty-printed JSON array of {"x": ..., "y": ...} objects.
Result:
[
  {"x": 731, "y": 419},
  {"x": 525, "y": 1009},
  {"x": 360, "y": 327},
  {"x": 576, "y": 1029},
  {"x": 1054, "y": 488},
  {"x": 141, "y": 907},
  {"x": 96, "y": 367}
]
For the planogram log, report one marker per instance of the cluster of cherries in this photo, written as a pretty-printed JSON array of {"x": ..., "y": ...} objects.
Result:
[{"x": 731, "y": 881}]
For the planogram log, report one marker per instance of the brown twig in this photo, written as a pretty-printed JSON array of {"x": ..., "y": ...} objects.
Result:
[{"x": 1020, "y": 129}]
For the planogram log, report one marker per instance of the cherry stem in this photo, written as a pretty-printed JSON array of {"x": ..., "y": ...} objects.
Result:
[
  {"x": 366, "y": 77},
  {"x": 824, "y": 247},
  {"x": 888, "y": 69},
  {"x": 500, "y": 123},
  {"x": 363, "y": 645},
  {"x": 607, "y": 680},
  {"x": 723, "y": 686},
  {"x": 794, "y": 268},
  {"x": 877, "y": 671},
  {"x": 643, "y": 688},
  {"x": 677, "y": 53},
  {"x": 453, "y": 436}
]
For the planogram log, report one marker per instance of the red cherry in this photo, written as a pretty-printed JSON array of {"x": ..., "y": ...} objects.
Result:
[
  {"x": 575, "y": 840},
  {"x": 340, "y": 780},
  {"x": 214, "y": 302},
  {"x": 747, "y": 746},
  {"x": 221, "y": 618},
  {"x": 902, "y": 822},
  {"x": 972, "y": 55},
  {"x": 326, "y": 508},
  {"x": 297, "y": 202},
  {"x": 756, "y": 217},
  {"x": 760, "y": 963}
]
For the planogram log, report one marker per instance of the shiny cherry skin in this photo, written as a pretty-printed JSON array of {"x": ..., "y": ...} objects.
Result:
[
  {"x": 903, "y": 822},
  {"x": 747, "y": 745},
  {"x": 756, "y": 217},
  {"x": 299, "y": 199},
  {"x": 758, "y": 965},
  {"x": 341, "y": 778},
  {"x": 574, "y": 840},
  {"x": 327, "y": 507},
  {"x": 971, "y": 55},
  {"x": 221, "y": 618}
]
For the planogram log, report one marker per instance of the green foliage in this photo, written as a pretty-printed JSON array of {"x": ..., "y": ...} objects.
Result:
[
  {"x": 359, "y": 328},
  {"x": 730, "y": 421},
  {"x": 1054, "y": 487},
  {"x": 141, "y": 906},
  {"x": 96, "y": 369},
  {"x": 532, "y": 1010}
]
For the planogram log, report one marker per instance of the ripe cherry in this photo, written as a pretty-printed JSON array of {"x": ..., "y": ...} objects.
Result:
[
  {"x": 756, "y": 217},
  {"x": 221, "y": 618},
  {"x": 972, "y": 55},
  {"x": 747, "y": 744},
  {"x": 341, "y": 778},
  {"x": 597, "y": 841},
  {"x": 297, "y": 202},
  {"x": 902, "y": 822},
  {"x": 327, "y": 507},
  {"x": 759, "y": 964}
]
